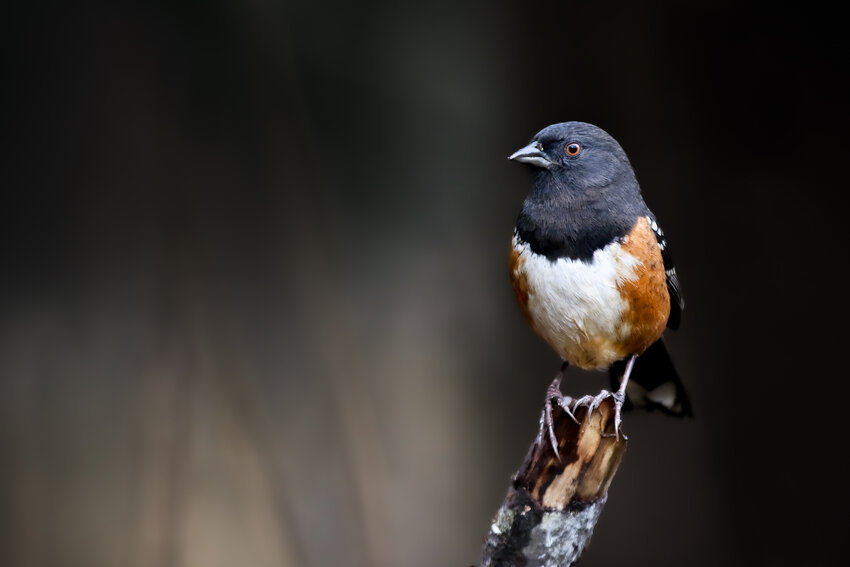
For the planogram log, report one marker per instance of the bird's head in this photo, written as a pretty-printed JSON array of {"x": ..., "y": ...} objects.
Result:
[{"x": 579, "y": 156}]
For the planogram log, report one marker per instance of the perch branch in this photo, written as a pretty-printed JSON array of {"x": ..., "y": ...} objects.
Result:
[{"x": 552, "y": 505}]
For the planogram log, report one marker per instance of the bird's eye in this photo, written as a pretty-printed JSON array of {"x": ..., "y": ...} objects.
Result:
[{"x": 572, "y": 149}]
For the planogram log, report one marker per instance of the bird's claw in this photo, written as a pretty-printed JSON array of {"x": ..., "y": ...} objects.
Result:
[
  {"x": 593, "y": 402},
  {"x": 554, "y": 396}
]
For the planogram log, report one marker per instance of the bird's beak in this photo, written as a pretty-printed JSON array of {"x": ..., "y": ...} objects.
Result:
[{"x": 532, "y": 154}]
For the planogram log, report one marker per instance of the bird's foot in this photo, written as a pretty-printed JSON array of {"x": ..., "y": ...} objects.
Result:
[
  {"x": 554, "y": 396},
  {"x": 593, "y": 402}
]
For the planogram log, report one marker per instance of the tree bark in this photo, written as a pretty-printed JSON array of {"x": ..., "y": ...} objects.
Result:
[{"x": 553, "y": 504}]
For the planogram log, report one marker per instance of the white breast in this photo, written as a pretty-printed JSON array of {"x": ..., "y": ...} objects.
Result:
[{"x": 576, "y": 306}]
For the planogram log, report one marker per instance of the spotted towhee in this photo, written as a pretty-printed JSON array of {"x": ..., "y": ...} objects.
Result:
[{"x": 592, "y": 271}]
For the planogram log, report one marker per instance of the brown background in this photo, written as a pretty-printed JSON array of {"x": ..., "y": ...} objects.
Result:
[{"x": 255, "y": 305}]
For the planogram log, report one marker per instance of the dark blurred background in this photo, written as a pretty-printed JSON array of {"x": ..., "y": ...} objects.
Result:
[{"x": 254, "y": 303}]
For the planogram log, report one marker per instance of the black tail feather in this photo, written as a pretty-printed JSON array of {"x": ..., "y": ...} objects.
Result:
[{"x": 654, "y": 382}]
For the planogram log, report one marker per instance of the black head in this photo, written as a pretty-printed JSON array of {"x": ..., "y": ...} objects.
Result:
[
  {"x": 585, "y": 194},
  {"x": 579, "y": 157}
]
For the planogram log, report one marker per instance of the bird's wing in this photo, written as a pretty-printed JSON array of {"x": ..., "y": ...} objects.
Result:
[{"x": 677, "y": 302}]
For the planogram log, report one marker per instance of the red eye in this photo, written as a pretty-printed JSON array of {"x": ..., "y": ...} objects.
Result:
[{"x": 572, "y": 149}]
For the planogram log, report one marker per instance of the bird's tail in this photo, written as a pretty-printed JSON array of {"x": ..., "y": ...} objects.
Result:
[{"x": 654, "y": 382}]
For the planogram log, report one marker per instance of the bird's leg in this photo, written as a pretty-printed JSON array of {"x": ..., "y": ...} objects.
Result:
[
  {"x": 620, "y": 396},
  {"x": 554, "y": 396},
  {"x": 592, "y": 402}
]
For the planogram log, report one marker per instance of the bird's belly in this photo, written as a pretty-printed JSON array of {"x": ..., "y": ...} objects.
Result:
[{"x": 576, "y": 306}]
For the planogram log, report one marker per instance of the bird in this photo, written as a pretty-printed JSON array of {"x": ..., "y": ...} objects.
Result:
[{"x": 593, "y": 274}]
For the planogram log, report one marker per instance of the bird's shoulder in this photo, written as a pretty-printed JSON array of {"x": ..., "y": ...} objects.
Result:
[{"x": 677, "y": 301}]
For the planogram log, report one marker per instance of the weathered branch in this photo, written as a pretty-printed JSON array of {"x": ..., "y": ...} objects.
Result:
[{"x": 552, "y": 505}]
